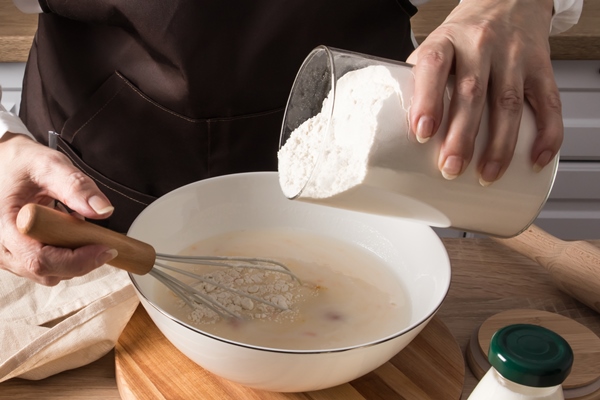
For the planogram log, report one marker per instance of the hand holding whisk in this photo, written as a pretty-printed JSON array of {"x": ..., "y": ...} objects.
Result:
[{"x": 56, "y": 228}]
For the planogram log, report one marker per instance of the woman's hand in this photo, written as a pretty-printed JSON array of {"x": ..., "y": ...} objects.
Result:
[
  {"x": 499, "y": 51},
  {"x": 33, "y": 173}
]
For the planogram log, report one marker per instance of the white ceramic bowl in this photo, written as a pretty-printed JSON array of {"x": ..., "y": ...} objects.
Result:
[{"x": 254, "y": 200}]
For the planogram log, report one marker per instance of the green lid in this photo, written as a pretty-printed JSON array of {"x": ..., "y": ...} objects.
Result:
[{"x": 530, "y": 355}]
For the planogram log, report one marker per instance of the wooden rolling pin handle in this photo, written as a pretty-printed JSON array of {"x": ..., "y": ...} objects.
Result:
[
  {"x": 59, "y": 229},
  {"x": 573, "y": 265}
]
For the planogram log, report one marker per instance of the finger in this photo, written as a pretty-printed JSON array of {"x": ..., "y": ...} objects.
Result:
[
  {"x": 72, "y": 187},
  {"x": 506, "y": 108},
  {"x": 54, "y": 262},
  {"x": 432, "y": 63},
  {"x": 543, "y": 95},
  {"x": 29, "y": 259},
  {"x": 464, "y": 114},
  {"x": 48, "y": 265},
  {"x": 60, "y": 207}
]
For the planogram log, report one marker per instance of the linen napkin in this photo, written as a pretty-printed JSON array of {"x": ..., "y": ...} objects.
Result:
[{"x": 47, "y": 330}]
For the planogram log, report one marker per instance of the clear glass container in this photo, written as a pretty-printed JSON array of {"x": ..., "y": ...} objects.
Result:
[{"x": 346, "y": 142}]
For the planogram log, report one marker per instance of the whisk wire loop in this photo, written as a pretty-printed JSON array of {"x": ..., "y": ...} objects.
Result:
[
  {"x": 210, "y": 282},
  {"x": 233, "y": 262},
  {"x": 190, "y": 295}
]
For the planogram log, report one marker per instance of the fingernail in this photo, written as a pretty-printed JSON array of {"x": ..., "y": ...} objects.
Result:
[
  {"x": 105, "y": 257},
  {"x": 542, "y": 160},
  {"x": 452, "y": 167},
  {"x": 424, "y": 129},
  {"x": 100, "y": 205},
  {"x": 489, "y": 173}
]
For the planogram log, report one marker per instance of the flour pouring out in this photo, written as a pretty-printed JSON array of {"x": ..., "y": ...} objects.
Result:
[{"x": 368, "y": 112}]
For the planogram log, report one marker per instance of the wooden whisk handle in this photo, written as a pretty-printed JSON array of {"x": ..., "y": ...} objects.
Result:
[{"x": 59, "y": 229}]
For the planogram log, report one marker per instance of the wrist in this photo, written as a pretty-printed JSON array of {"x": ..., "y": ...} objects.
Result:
[
  {"x": 6, "y": 136},
  {"x": 546, "y": 8},
  {"x": 10, "y": 122}
]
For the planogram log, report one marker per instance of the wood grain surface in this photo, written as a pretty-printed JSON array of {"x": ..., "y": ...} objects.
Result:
[
  {"x": 16, "y": 32},
  {"x": 149, "y": 367},
  {"x": 578, "y": 43},
  {"x": 487, "y": 278}
]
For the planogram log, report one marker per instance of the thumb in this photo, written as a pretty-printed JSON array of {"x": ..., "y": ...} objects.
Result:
[{"x": 76, "y": 190}]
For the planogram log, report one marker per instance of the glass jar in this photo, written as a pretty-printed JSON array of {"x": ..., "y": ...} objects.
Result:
[{"x": 346, "y": 142}]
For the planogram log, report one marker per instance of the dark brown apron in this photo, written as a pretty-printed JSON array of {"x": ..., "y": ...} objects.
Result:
[{"x": 150, "y": 95}]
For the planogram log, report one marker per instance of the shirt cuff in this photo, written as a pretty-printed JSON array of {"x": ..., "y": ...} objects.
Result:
[
  {"x": 28, "y": 6},
  {"x": 566, "y": 14},
  {"x": 9, "y": 122}
]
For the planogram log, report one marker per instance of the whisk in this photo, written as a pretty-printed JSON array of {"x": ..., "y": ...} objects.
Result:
[{"x": 56, "y": 228}]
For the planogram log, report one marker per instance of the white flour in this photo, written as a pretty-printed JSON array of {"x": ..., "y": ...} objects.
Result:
[
  {"x": 273, "y": 287},
  {"x": 368, "y": 108}
]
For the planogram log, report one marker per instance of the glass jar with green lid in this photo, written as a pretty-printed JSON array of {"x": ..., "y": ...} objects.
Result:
[{"x": 529, "y": 362}]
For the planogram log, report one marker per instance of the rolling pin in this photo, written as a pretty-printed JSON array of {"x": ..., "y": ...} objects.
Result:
[{"x": 574, "y": 266}]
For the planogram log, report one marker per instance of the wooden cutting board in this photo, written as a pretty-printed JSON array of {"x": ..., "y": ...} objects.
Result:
[
  {"x": 583, "y": 382},
  {"x": 149, "y": 367}
]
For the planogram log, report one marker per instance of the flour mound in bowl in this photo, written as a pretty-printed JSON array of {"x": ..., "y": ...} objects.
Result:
[{"x": 274, "y": 287}]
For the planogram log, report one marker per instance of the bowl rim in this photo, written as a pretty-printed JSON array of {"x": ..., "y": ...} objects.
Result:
[
  {"x": 411, "y": 327},
  {"x": 287, "y": 351}
]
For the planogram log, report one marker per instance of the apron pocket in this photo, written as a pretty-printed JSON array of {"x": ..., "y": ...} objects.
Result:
[
  {"x": 128, "y": 203},
  {"x": 134, "y": 141},
  {"x": 138, "y": 149}
]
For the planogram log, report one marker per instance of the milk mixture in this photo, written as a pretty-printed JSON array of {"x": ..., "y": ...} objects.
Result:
[{"x": 347, "y": 295}]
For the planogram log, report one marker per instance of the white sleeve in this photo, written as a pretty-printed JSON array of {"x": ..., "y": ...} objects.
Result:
[
  {"x": 28, "y": 6},
  {"x": 566, "y": 14},
  {"x": 9, "y": 122}
]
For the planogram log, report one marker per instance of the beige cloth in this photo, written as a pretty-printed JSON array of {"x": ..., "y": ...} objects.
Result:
[{"x": 46, "y": 330}]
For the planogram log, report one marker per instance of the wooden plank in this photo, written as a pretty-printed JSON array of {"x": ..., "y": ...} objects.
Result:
[
  {"x": 16, "y": 32},
  {"x": 147, "y": 363}
]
